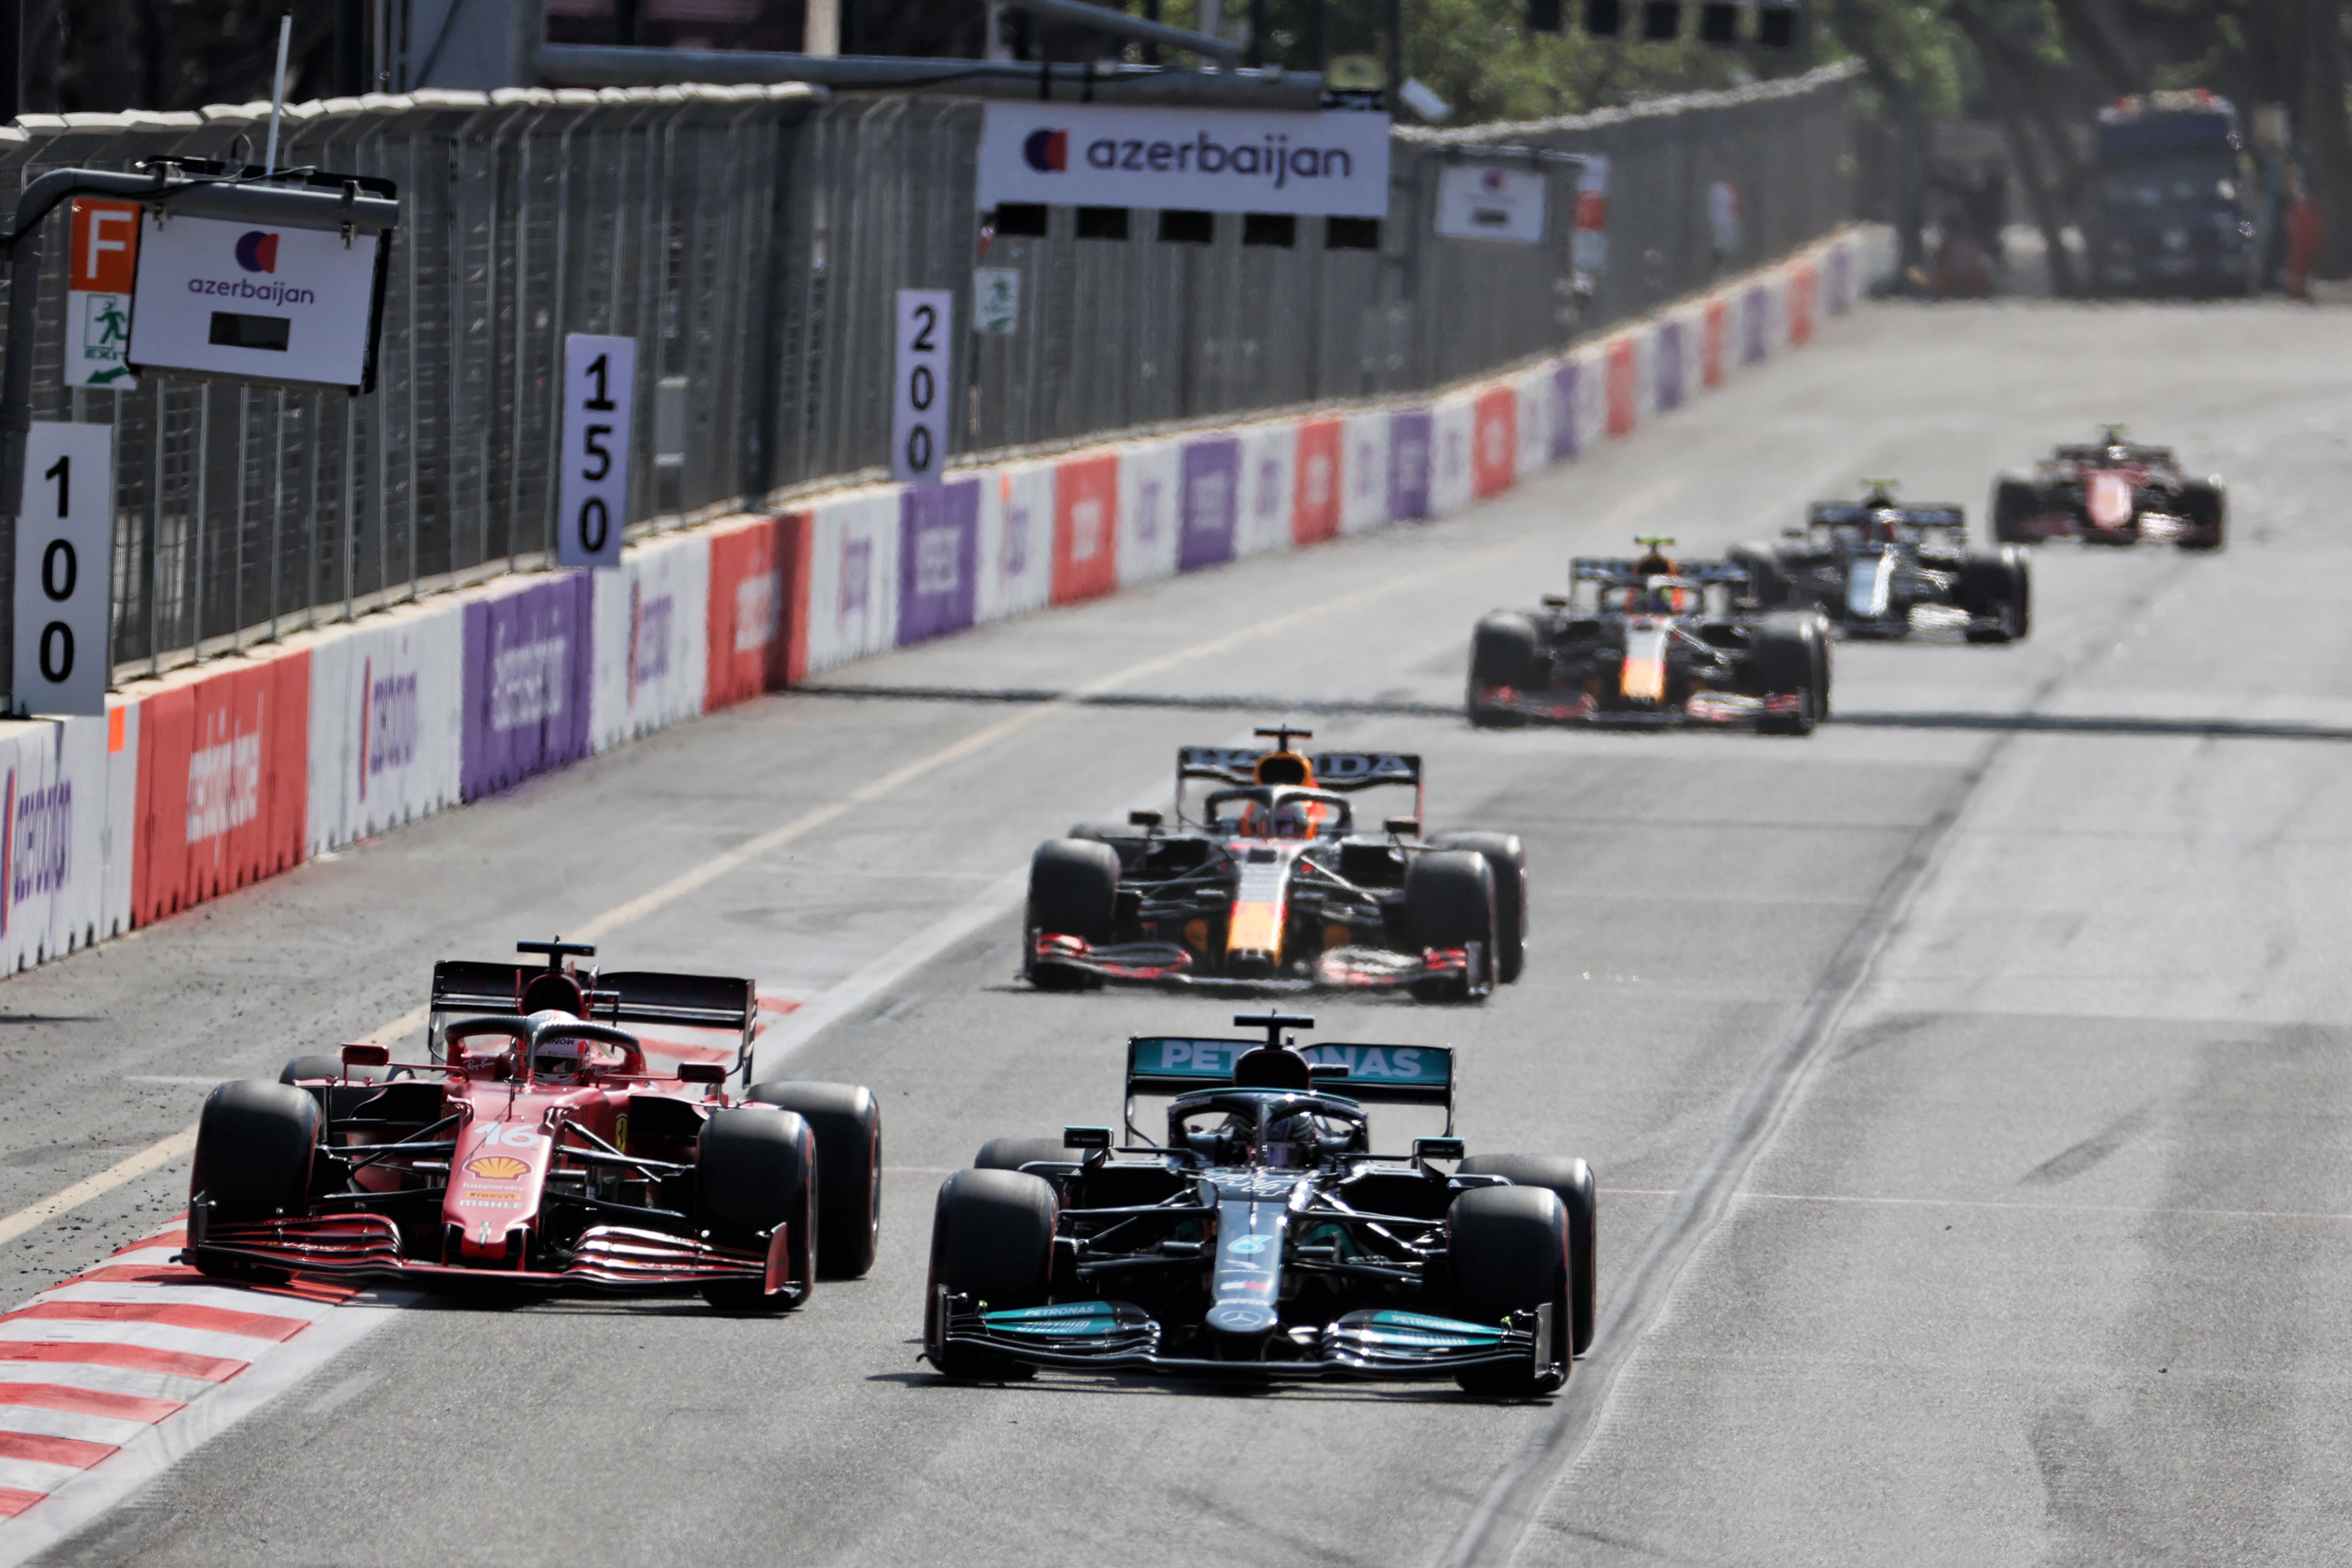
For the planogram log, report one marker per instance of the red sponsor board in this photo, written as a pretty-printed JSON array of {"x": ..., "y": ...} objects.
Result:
[
  {"x": 1620, "y": 385},
  {"x": 1495, "y": 444},
  {"x": 750, "y": 644},
  {"x": 1710, "y": 343},
  {"x": 224, "y": 793},
  {"x": 1802, "y": 283},
  {"x": 1085, "y": 528},
  {"x": 1315, "y": 500}
]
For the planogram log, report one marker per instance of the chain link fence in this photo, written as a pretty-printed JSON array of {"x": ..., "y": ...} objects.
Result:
[{"x": 751, "y": 238}]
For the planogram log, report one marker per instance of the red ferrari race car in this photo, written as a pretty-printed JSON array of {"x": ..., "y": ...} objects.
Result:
[
  {"x": 2111, "y": 493},
  {"x": 1266, "y": 883},
  {"x": 535, "y": 1149}
]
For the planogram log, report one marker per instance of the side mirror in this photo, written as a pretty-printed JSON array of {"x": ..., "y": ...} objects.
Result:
[
  {"x": 1085, "y": 1137},
  {"x": 1792, "y": 534},
  {"x": 1317, "y": 1072},
  {"x": 1144, "y": 819},
  {"x": 1402, "y": 826},
  {"x": 357, "y": 1055},
  {"x": 702, "y": 1072},
  {"x": 1428, "y": 1149},
  {"x": 1554, "y": 601}
]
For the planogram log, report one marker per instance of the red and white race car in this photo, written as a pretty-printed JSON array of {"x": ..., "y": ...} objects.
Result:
[
  {"x": 536, "y": 1148},
  {"x": 2111, "y": 493}
]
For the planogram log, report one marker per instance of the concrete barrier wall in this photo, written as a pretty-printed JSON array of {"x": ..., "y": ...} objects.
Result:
[{"x": 214, "y": 776}]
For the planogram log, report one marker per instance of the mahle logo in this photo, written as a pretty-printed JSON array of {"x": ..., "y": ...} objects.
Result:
[
  {"x": 256, "y": 251},
  {"x": 1048, "y": 152}
]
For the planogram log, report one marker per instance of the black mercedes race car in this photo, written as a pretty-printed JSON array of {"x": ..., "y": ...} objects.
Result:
[
  {"x": 1878, "y": 567},
  {"x": 2111, "y": 493},
  {"x": 1265, "y": 1238},
  {"x": 1268, "y": 883},
  {"x": 1657, "y": 642}
]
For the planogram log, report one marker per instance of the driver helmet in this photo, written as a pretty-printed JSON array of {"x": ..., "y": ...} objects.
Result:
[
  {"x": 1292, "y": 1141},
  {"x": 561, "y": 1061},
  {"x": 1289, "y": 819},
  {"x": 1878, "y": 526}
]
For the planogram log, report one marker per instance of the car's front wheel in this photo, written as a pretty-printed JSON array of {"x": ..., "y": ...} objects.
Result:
[
  {"x": 755, "y": 1169},
  {"x": 1506, "y": 1252},
  {"x": 993, "y": 1245}
]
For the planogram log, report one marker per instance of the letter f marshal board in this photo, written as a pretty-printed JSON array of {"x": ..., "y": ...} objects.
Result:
[{"x": 1332, "y": 162}]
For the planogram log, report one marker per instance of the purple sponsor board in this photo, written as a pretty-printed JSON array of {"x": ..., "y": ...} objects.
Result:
[
  {"x": 1755, "y": 307},
  {"x": 526, "y": 683},
  {"x": 939, "y": 547},
  {"x": 1668, "y": 367},
  {"x": 1209, "y": 486},
  {"x": 1564, "y": 411},
  {"x": 1409, "y": 441}
]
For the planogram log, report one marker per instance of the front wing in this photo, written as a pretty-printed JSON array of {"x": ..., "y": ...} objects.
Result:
[
  {"x": 1110, "y": 1336},
  {"x": 1173, "y": 965},
  {"x": 1718, "y": 709}
]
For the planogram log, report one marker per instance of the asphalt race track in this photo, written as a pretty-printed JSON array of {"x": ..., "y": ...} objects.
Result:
[{"x": 1968, "y": 1083}]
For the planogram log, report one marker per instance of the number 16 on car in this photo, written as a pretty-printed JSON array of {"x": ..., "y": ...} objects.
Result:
[
  {"x": 918, "y": 415},
  {"x": 599, "y": 380},
  {"x": 65, "y": 535}
]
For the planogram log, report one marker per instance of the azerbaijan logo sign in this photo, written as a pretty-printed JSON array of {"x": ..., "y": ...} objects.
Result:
[{"x": 256, "y": 251}]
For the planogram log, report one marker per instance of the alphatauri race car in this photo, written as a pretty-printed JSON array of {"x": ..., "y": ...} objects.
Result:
[
  {"x": 535, "y": 1150},
  {"x": 1268, "y": 883},
  {"x": 1878, "y": 567},
  {"x": 1265, "y": 1238},
  {"x": 2111, "y": 493},
  {"x": 1656, "y": 642}
]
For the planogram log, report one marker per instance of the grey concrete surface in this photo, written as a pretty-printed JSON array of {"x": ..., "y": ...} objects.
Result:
[{"x": 2041, "y": 1260}]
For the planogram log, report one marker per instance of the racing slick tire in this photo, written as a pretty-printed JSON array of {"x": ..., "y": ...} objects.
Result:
[
  {"x": 756, "y": 1168},
  {"x": 1507, "y": 859},
  {"x": 338, "y": 1098},
  {"x": 1507, "y": 1251},
  {"x": 1073, "y": 889},
  {"x": 847, "y": 1125},
  {"x": 1502, "y": 653},
  {"x": 1012, "y": 1153},
  {"x": 1768, "y": 584},
  {"x": 2015, "y": 503},
  {"x": 2205, "y": 508},
  {"x": 1791, "y": 653},
  {"x": 1996, "y": 585},
  {"x": 992, "y": 1240},
  {"x": 1571, "y": 1180},
  {"x": 254, "y": 1145},
  {"x": 1449, "y": 901}
]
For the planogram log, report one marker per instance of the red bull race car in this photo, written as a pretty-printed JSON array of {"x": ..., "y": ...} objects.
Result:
[
  {"x": 1264, "y": 1237},
  {"x": 1656, "y": 642},
  {"x": 1267, "y": 882},
  {"x": 536, "y": 1148},
  {"x": 2112, "y": 491}
]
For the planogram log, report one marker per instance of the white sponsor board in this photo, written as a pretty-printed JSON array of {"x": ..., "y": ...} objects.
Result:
[
  {"x": 600, "y": 383},
  {"x": 1150, "y": 525},
  {"x": 853, "y": 588},
  {"x": 1364, "y": 471},
  {"x": 1269, "y": 481},
  {"x": 1490, "y": 201},
  {"x": 54, "y": 864},
  {"x": 255, "y": 304},
  {"x": 65, "y": 533},
  {"x": 1334, "y": 163},
  {"x": 652, "y": 639},
  {"x": 1453, "y": 428},
  {"x": 1016, "y": 541},
  {"x": 387, "y": 722},
  {"x": 921, "y": 389}
]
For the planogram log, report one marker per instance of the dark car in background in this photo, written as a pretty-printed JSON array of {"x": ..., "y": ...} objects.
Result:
[{"x": 2171, "y": 211}]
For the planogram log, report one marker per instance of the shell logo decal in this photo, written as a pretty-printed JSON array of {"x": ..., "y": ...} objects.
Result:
[{"x": 497, "y": 1167}]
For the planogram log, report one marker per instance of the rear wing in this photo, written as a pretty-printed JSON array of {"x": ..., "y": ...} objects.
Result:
[
  {"x": 1936, "y": 514},
  {"x": 2152, "y": 457},
  {"x": 462, "y": 987},
  {"x": 1409, "y": 1074},
  {"x": 1619, "y": 569},
  {"x": 1341, "y": 771}
]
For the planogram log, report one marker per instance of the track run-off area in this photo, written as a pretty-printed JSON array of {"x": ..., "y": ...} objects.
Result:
[{"x": 1968, "y": 1083}]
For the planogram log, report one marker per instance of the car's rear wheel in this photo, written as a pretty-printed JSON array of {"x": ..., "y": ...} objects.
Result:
[
  {"x": 2205, "y": 507},
  {"x": 1506, "y": 859},
  {"x": 1790, "y": 655},
  {"x": 755, "y": 1169},
  {"x": 1995, "y": 586},
  {"x": 256, "y": 1143},
  {"x": 1570, "y": 1180},
  {"x": 1012, "y": 1153},
  {"x": 992, "y": 1242},
  {"x": 1502, "y": 652},
  {"x": 2014, "y": 504},
  {"x": 847, "y": 1125},
  {"x": 1507, "y": 1252},
  {"x": 1073, "y": 891},
  {"x": 1768, "y": 582},
  {"x": 1449, "y": 902}
]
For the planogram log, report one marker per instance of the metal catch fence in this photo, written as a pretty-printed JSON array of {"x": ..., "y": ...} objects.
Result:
[{"x": 751, "y": 238}]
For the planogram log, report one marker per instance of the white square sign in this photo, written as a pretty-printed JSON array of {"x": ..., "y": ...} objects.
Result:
[
  {"x": 918, "y": 417},
  {"x": 599, "y": 381},
  {"x": 64, "y": 536},
  {"x": 257, "y": 304},
  {"x": 1489, "y": 201}
]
